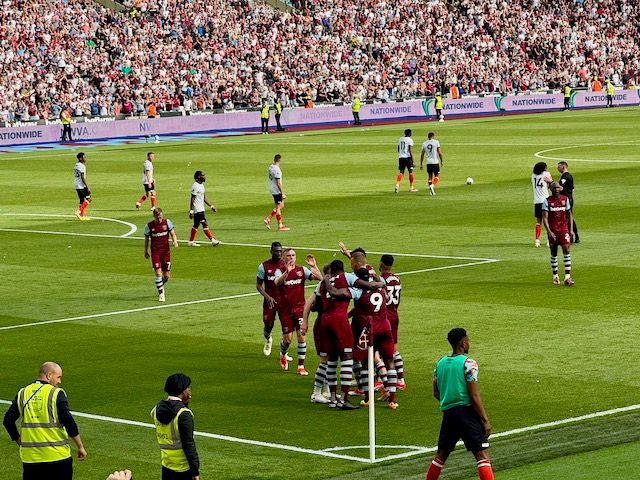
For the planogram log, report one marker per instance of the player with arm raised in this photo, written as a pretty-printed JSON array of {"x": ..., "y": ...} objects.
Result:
[
  {"x": 157, "y": 233},
  {"x": 558, "y": 222},
  {"x": 81, "y": 185},
  {"x": 405, "y": 160},
  {"x": 148, "y": 182},
  {"x": 434, "y": 161},
  {"x": 196, "y": 210},
  {"x": 274, "y": 176},
  {"x": 291, "y": 283},
  {"x": 540, "y": 181}
]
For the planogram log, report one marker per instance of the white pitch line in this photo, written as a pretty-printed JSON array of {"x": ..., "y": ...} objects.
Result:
[
  {"x": 132, "y": 228},
  {"x": 227, "y": 438},
  {"x": 254, "y": 245},
  {"x": 541, "y": 154},
  {"x": 125, "y": 312},
  {"x": 329, "y": 452}
]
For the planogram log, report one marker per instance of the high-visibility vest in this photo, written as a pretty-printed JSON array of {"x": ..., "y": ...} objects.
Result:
[
  {"x": 609, "y": 88},
  {"x": 567, "y": 91},
  {"x": 65, "y": 116},
  {"x": 438, "y": 102},
  {"x": 171, "y": 452},
  {"x": 355, "y": 108},
  {"x": 43, "y": 437},
  {"x": 264, "y": 112},
  {"x": 278, "y": 108}
]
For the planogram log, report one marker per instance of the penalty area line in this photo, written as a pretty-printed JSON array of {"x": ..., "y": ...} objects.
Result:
[{"x": 132, "y": 228}]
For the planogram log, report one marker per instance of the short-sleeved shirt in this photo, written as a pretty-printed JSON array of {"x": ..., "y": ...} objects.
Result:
[
  {"x": 197, "y": 189},
  {"x": 404, "y": 145},
  {"x": 147, "y": 167},
  {"x": 159, "y": 234},
  {"x": 268, "y": 271},
  {"x": 566, "y": 180},
  {"x": 274, "y": 174},
  {"x": 78, "y": 170},
  {"x": 293, "y": 289},
  {"x": 431, "y": 148},
  {"x": 557, "y": 208},
  {"x": 394, "y": 289},
  {"x": 540, "y": 186},
  {"x": 337, "y": 307}
]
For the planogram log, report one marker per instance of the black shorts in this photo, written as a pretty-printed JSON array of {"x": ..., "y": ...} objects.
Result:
[
  {"x": 60, "y": 470},
  {"x": 433, "y": 168},
  {"x": 148, "y": 188},
  {"x": 537, "y": 210},
  {"x": 405, "y": 163},
  {"x": 83, "y": 194},
  {"x": 199, "y": 219},
  {"x": 277, "y": 199},
  {"x": 462, "y": 423}
]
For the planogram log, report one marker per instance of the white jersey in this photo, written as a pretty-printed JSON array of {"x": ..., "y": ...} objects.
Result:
[
  {"x": 540, "y": 184},
  {"x": 147, "y": 167},
  {"x": 431, "y": 148},
  {"x": 274, "y": 175},
  {"x": 197, "y": 189},
  {"x": 79, "y": 169},
  {"x": 403, "y": 147}
]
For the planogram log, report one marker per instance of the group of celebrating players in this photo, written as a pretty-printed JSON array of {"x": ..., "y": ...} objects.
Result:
[{"x": 374, "y": 320}]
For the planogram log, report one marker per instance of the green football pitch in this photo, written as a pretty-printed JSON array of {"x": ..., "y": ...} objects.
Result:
[{"x": 82, "y": 294}]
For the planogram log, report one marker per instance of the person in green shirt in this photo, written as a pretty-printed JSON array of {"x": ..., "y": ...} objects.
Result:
[{"x": 455, "y": 386}]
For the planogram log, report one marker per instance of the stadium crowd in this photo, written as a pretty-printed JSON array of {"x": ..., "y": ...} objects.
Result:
[{"x": 192, "y": 55}]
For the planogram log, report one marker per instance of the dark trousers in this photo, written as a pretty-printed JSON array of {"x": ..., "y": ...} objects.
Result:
[
  {"x": 278, "y": 126},
  {"x": 566, "y": 103},
  {"x": 264, "y": 125},
  {"x": 168, "y": 474},
  {"x": 60, "y": 470},
  {"x": 356, "y": 118},
  {"x": 66, "y": 132}
]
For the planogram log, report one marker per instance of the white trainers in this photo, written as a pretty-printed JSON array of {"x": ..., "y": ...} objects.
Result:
[
  {"x": 161, "y": 297},
  {"x": 215, "y": 242},
  {"x": 288, "y": 357},
  {"x": 267, "y": 346},
  {"x": 319, "y": 398},
  {"x": 537, "y": 243},
  {"x": 192, "y": 244}
]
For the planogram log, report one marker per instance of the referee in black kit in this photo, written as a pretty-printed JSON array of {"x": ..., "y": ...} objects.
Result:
[{"x": 566, "y": 181}]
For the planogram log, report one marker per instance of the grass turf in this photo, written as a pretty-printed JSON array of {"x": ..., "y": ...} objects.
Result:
[{"x": 545, "y": 352}]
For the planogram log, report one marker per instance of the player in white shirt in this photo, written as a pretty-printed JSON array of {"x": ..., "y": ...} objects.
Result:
[
  {"x": 80, "y": 183},
  {"x": 196, "y": 210},
  {"x": 274, "y": 177},
  {"x": 148, "y": 182},
  {"x": 434, "y": 161},
  {"x": 540, "y": 181},
  {"x": 405, "y": 160}
]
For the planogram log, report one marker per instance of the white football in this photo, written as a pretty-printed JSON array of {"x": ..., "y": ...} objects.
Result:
[{"x": 469, "y": 181}]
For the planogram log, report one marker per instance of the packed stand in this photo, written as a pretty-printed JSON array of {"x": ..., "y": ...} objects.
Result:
[{"x": 230, "y": 54}]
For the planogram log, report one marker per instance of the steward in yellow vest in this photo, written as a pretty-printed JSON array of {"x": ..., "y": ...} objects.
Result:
[
  {"x": 174, "y": 431},
  {"x": 610, "y": 90},
  {"x": 278, "y": 107},
  {"x": 438, "y": 106},
  {"x": 264, "y": 118},
  {"x": 355, "y": 109},
  {"x": 567, "y": 96},
  {"x": 45, "y": 429}
]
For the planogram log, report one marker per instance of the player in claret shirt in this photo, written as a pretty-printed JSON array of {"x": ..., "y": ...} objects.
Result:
[
  {"x": 291, "y": 284},
  {"x": 268, "y": 271},
  {"x": 394, "y": 289},
  {"x": 157, "y": 233},
  {"x": 558, "y": 221}
]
